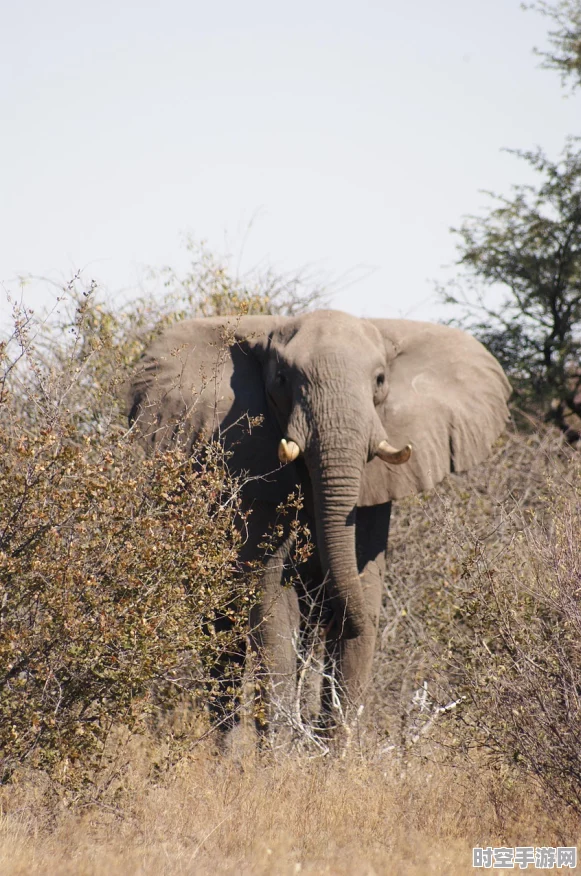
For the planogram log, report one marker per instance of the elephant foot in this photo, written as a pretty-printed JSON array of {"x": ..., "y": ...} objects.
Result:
[{"x": 339, "y": 731}]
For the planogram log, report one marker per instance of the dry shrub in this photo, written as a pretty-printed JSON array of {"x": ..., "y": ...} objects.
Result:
[
  {"x": 517, "y": 653},
  {"x": 483, "y": 612},
  {"x": 212, "y": 286},
  {"x": 106, "y": 557},
  {"x": 112, "y": 565}
]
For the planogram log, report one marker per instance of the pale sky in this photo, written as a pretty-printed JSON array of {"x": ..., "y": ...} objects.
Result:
[{"x": 351, "y": 134}]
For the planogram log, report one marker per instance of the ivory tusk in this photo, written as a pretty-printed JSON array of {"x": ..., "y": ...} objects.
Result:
[
  {"x": 391, "y": 454},
  {"x": 288, "y": 451}
]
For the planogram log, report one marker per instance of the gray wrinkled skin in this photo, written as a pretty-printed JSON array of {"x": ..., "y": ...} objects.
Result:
[{"x": 337, "y": 386}]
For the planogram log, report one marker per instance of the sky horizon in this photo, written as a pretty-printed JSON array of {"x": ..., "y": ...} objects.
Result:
[{"x": 337, "y": 139}]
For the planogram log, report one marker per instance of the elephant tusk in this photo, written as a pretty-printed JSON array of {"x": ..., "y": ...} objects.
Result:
[
  {"x": 288, "y": 451},
  {"x": 391, "y": 454}
]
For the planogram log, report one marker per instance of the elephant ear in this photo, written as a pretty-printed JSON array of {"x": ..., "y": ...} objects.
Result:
[
  {"x": 446, "y": 396},
  {"x": 201, "y": 379}
]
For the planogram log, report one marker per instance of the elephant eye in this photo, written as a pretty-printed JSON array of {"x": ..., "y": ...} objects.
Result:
[{"x": 380, "y": 379}]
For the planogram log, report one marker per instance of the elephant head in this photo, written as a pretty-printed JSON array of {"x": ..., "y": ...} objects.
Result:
[{"x": 346, "y": 398}]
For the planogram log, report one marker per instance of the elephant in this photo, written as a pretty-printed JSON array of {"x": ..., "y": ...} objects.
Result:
[{"x": 355, "y": 413}]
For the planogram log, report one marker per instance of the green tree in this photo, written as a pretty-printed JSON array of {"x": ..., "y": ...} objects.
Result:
[
  {"x": 564, "y": 37},
  {"x": 527, "y": 248}
]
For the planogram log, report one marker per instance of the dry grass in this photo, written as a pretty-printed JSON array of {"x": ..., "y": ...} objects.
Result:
[{"x": 221, "y": 815}]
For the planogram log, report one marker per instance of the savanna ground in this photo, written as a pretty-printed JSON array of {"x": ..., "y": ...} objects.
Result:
[
  {"x": 471, "y": 735},
  {"x": 363, "y": 815}
]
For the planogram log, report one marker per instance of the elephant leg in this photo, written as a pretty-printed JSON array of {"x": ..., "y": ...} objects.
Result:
[
  {"x": 269, "y": 620},
  {"x": 349, "y": 661},
  {"x": 274, "y": 631},
  {"x": 274, "y": 628}
]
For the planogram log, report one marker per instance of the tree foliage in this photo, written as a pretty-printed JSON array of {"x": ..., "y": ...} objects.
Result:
[
  {"x": 527, "y": 248},
  {"x": 564, "y": 37}
]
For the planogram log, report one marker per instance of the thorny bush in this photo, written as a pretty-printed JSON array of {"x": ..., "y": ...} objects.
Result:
[
  {"x": 486, "y": 613},
  {"x": 516, "y": 651},
  {"x": 112, "y": 565}
]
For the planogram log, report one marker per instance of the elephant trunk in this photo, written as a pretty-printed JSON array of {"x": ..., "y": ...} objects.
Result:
[
  {"x": 335, "y": 494},
  {"x": 332, "y": 426}
]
